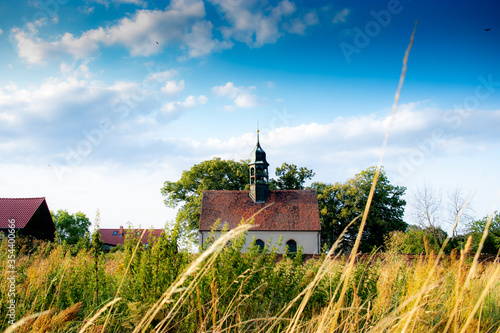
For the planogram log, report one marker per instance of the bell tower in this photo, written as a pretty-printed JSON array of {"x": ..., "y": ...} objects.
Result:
[{"x": 259, "y": 175}]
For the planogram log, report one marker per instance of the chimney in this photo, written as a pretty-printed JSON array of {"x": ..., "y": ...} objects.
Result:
[{"x": 120, "y": 233}]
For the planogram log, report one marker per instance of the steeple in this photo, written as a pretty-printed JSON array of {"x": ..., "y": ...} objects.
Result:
[{"x": 259, "y": 176}]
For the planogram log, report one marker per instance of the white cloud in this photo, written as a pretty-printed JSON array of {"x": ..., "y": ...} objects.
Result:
[
  {"x": 227, "y": 90},
  {"x": 246, "y": 100},
  {"x": 86, "y": 9},
  {"x": 253, "y": 23},
  {"x": 200, "y": 40},
  {"x": 354, "y": 143},
  {"x": 1, "y": 31},
  {"x": 35, "y": 50},
  {"x": 160, "y": 76},
  {"x": 341, "y": 16},
  {"x": 74, "y": 71},
  {"x": 242, "y": 96},
  {"x": 145, "y": 33},
  {"x": 54, "y": 116},
  {"x": 173, "y": 87},
  {"x": 189, "y": 102},
  {"x": 299, "y": 25}
]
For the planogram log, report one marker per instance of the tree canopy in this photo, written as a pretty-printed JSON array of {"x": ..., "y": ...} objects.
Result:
[
  {"x": 214, "y": 174},
  {"x": 492, "y": 241},
  {"x": 71, "y": 227},
  {"x": 290, "y": 177},
  {"x": 340, "y": 203},
  {"x": 417, "y": 240}
]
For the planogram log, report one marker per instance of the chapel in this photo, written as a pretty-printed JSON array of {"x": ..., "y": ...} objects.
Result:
[{"x": 293, "y": 216}]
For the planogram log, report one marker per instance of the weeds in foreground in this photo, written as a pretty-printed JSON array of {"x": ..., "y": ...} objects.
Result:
[{"x": 226, "y": 290}]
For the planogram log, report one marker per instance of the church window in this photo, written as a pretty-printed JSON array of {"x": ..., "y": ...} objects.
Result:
[
  {"x": 260, "y": 243},
  {"x": 292, "y": 246}
]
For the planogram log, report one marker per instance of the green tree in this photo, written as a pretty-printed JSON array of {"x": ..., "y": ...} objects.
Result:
[
  {"x": 71, "y": 227},
  {"x": 492, "y": 242},
  {"x": 214, "y": 174},
  {"x": 290, "y": 177},
  {"x": 416, "y": 240},
  {"x": 340, "y": 203}
]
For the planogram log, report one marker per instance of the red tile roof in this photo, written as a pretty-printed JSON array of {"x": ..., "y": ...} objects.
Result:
[
  {"x": 293, "y": 210},
  {"x": 107, "y": 236},
  {"x": 20, "y": 209}
]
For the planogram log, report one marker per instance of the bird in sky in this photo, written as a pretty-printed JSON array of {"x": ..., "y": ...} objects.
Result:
[
  {"x": 484, "y": 29},
  {"x": 158, "y": 43}
]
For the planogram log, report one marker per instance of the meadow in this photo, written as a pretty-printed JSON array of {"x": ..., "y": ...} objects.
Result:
[{"x": 163, "y": 289}]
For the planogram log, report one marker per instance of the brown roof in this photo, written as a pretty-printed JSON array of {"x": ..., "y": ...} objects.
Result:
[
  {"x": 20, "y": 209},
  {"x": 293, "y": 210},
  {"x": 109, "y": 237}
]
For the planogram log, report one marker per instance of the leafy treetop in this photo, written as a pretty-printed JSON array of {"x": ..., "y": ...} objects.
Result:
[
  {"x": 71, "y": 227},
  {"x": 290, "y": 177},
  {"x": 215, "y": 174},
  {"x": 340, "y": 203}
]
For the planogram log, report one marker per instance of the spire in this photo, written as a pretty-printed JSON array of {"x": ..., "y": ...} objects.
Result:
[
  {"x": 259, "y": 176},
  {"x": 258, "y": 155}
]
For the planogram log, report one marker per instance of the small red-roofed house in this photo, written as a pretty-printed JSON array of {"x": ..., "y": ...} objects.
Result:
[
  {"x": 28, "y": 216},
  {"x": 114, "y": 237},
  {"x": 291, "y": 215}
]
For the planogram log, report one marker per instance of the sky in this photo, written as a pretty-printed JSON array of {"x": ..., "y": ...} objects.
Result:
[{"x": 102, "y": 101}]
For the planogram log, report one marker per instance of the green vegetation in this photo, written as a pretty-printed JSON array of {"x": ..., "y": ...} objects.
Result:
[
  {"x": 224, "y": 290},
  {"x": 341, "y": 203},
  {"x": 418, "y": 240},
  {"x": 492, "y": 241},
  {"x": 290, "y": 177},
  {"x": 71, "y": 228},
  {"x": 215, "y": 174}
]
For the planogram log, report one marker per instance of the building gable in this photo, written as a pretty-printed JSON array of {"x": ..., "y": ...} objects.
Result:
[{"x": 31, "y": 215}]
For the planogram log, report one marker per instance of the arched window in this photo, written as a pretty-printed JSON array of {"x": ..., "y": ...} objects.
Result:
[
  {"x": 292, "y": 246},
  {"x": 260, "y": 243}
]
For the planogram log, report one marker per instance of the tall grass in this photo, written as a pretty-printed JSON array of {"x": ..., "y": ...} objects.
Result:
[{"x": 226, "y": 290}]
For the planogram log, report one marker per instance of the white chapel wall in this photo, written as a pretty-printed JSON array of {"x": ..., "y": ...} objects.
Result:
[{"x": 309, "y": 240}]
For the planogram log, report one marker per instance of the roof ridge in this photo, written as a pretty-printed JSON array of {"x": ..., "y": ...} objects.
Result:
[{"x": 22, "y": 198}]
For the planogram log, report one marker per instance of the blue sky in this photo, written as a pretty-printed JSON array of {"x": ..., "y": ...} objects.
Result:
[{"x": 101, "y": 101}]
